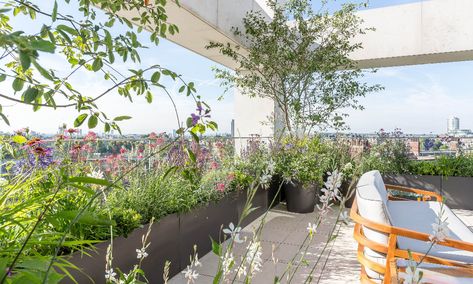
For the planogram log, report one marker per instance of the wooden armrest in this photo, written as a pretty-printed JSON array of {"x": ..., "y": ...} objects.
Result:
[
  {"x": 388, "y": 229},
  {"x": 427, "y": 195}
]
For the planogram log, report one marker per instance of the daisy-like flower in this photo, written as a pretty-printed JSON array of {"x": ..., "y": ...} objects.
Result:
[
  {"x": 141, "y": 253},
  {"x": 312, "y": 228},
  {"x": 440, "y": 231},
  {"x": 190, "y": 274},
  {"x": 234, "y": 232}
]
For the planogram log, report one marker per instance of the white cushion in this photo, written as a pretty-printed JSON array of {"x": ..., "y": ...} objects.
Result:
[
  {"x": 371, "y": 198},
  {"x": 419, "y": 216}
]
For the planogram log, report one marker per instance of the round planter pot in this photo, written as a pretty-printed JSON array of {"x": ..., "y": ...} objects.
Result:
[{"x": 298, "y": 198}]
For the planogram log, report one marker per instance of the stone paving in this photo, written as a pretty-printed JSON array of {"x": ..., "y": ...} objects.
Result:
[{"x": 281, "y": 239}]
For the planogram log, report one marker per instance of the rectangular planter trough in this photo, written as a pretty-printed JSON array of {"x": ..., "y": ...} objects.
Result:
[{"x": 172, "y": 239}]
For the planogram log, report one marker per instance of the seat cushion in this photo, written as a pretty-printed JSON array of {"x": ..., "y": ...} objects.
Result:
[
  {"x": 371, "y": 197},
  {"x": 419, "y": 216}
]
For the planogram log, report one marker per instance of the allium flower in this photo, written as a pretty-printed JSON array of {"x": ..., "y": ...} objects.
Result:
[
  {"x": 234, "y": 232},
  {"x": 141, "y": 253}
]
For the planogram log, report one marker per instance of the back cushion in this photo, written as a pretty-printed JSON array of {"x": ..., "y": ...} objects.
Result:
[{"x": 372, "y": 198}]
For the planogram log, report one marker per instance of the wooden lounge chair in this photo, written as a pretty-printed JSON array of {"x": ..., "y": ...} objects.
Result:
[{"x": 387, "y": 227}]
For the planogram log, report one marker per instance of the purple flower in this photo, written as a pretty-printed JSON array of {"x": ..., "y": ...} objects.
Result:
[
  {"x": 199, "y": 109},
  {"x": 195, "y": 118}
]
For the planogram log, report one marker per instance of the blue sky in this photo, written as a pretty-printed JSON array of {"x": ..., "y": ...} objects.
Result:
[{"x": 418, "y": 99}]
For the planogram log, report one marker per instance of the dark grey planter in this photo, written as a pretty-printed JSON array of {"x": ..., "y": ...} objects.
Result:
[
  {"x": 431, "y": 183},
  {"x": 300, "y": 199},
  {"x": 260, "y": 203},
  {"x": 274, "y": 192},
  {"x": 163, "y": 246},
  {"x": 458, "y": 192},
  {"x": 344, "y": 188},
  {"x": 201, "y": 224}
]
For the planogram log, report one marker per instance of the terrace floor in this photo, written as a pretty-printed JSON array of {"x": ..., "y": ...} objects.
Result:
[{"x": 281, "y": 238}]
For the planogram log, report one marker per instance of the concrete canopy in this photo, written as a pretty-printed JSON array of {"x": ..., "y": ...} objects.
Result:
[{"x": 431, "y": 31}]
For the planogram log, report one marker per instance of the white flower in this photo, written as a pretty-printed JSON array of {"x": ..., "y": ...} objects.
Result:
[
  {"x": 110, "y": 274},
  {"x": 265, "y": 178},
  {"x": 141, "y": 253},
  {"x": 234, "y": 233},
  {"x": 241, "y": 270},
  {"x": 98, "y": 174},
  {"x": 253, "y": 257},
  {"x": 190, "y": 274},
  {"x": 271, "y": 166},
  {"x": 312, "y": 228},
  {"x": 227, "y": 263},
  {"x": 412, "y": 274},
  {"x": 196, "y": 261},
  {"x": 440, "y": 231}
]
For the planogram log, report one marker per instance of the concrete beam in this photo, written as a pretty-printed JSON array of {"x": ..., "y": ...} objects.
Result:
[
  {"x": 201, "y": 22},
  {"x": 432, "y": 31}
]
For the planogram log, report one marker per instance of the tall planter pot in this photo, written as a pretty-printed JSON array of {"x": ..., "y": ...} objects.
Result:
[
  {"x": 274, "y": 192},
  {"x": 163, "y": 247},
  {"x": 298, "y": 198},
  {"x": 199, "y": 225}
]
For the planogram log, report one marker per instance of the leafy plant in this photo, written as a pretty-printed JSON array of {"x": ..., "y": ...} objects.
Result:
[
  {"x": 301, "y": 160},
  {"x": 302, "y": 66}
]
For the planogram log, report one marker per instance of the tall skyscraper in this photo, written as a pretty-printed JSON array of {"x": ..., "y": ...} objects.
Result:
[{"x": 453, "y": 124}]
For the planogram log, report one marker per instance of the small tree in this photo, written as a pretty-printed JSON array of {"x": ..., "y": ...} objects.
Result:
[{"x": 300, "y": 59}]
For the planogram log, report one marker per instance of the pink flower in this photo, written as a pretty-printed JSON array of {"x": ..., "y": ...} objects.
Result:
[
  {"x": 71, "y": 130},
  {"x": 220, "y": 187},
  {"x": 122, "y": 150},
  {"x": 159, "y": 141},
  {"x": 91, "y": 136},
  {"x": 214, "y": 165},
  {"x": 152, "y": 135}
]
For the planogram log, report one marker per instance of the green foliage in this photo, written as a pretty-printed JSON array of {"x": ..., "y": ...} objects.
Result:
[
  {"x": 153, "y": 195},
  {"x": 388, "y": 156},
  {"x": 302, "y": 160},
  {"x": 86, "y": 41},
  {"x": 444, "y": 166},
  {"x": 302, "y": 66}
]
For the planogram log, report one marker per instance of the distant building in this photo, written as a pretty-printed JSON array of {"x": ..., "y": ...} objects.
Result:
[
  {"x": 453, "y": 124},
  {"x": 453, "y": 128}
]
